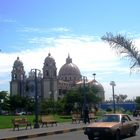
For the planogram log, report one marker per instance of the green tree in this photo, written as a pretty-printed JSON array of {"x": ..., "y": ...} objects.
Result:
[
  {"x": 27, "y": 104},
  {"x": 43, "y": 107},
  {"x": 50, "y": 106},
  {"x": 137, "y": 102},
  {"x": 74, "y": 99},
  {"x": 124, "y": 46},
  {"x": 120, "y": 98},
  {"x": 3, "y": 98},
  {"x": 18, "y": 103},
  {"x": 60, "y": 106},
  {"x": 93, "y": 98},
  {"x": 70, "y": 99},
  {"x": 3, "y": 94},
  {"x": 15, "y": 103}
]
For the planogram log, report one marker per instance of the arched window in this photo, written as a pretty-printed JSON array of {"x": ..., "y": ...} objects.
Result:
[
  {"x": 47, "y": 72},
  {"x": 14, "y": 76},
  {"x": 21, "y": 76}
]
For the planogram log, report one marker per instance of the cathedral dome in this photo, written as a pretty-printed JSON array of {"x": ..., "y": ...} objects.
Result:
[
  {"x": 97, "y": 87},
  {"x": 69, "y": 71}
]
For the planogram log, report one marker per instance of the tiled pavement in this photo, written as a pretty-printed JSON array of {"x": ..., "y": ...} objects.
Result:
[{"x": 9, "y": 134}]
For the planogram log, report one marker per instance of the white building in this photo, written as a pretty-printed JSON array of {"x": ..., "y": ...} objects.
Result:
[{"x": 49, "y": 84}]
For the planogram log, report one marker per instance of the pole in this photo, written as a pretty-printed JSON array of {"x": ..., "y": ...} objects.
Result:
[
  {"x": 85, "y": 109},
  {"x": 84, "y": 93},
  {"x": 36, "y": 125},
  {"x": 114, "y": 106},
  {"x": 112, "y": 83}
]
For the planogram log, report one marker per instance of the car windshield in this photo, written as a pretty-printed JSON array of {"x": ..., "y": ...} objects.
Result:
[{"x": 110, "y": 118}]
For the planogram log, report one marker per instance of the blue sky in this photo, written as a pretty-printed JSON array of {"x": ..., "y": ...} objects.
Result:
[{"x": 31, "y": 29}]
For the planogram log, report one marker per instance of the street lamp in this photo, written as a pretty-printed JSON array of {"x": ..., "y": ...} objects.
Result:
[
  {"x": 36, "y": 125},
  {"x": 84, "y": 89},
  {"x": 85, "y": 107},
  {"x": 112, "y": 83},
  {"x": 52, "y": 98},
  {"x": 94, "y": 74}
]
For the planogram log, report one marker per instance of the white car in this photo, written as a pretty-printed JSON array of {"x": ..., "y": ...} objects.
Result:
[{"x": 20, "y": 113}]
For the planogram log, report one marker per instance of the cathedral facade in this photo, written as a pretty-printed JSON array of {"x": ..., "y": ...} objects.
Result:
[{"x": 47, "y": 83}]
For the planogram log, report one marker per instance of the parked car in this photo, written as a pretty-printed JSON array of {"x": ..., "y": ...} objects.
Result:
[
  {"x": 2, "y": 112},
  {"x": 112, "y": 126},
  {"x": 20, "y": 113}
]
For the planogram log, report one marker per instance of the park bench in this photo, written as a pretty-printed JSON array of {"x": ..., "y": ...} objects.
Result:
[
  {"x": 92, "y": 116},
  {"x": 76, "y": 118},
  {"x": 47, "y": 119},
  {"x": 20, "y": 122}
]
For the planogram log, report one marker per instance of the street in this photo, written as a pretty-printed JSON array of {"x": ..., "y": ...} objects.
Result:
[{"x": 77, "y": 135}]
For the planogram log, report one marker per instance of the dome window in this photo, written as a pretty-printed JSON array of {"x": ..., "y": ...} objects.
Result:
[
  {"x": 47, "y": 72},
  {"x": 15, "y": 77}
]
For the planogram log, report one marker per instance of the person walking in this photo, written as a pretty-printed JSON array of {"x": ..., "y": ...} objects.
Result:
[{"x": 86, "y": 115}]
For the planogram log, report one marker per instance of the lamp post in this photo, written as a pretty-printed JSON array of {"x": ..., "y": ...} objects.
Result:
[
  {"x": 36, "y": 125},
  {"x": 84, "y": 89},
  {"x": 51, "y": 93},
  {"x": 112, "y": 83},
  {"x": 94, "y": 74},
  {"x": 85, "y": 109}
]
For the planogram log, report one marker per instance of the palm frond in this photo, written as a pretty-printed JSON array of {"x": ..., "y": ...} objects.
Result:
[{"x": 125, "y": 46}]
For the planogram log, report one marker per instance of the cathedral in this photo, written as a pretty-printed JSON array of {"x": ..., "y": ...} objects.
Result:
[{"x": 47, "y": 83}]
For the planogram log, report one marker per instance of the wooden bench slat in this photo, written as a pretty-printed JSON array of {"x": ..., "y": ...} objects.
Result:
[
  {"x": 20, "y": 122},
  {"x": 76, "y": 117},
  {"x": 45, "y": 120}
]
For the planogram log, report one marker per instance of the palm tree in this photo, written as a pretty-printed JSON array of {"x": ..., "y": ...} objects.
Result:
[{"x": 125, "y": 47}]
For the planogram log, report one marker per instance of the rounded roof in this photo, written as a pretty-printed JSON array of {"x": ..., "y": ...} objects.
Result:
[
  {"x": 69, "y": 69},
  {"x": 49, "y": 59},
  {"x": 18, "y": 62},
  {"x": 97, "y": 87}
]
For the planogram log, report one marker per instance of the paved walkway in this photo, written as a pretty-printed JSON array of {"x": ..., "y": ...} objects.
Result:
[{"x": 9, "y": 134}]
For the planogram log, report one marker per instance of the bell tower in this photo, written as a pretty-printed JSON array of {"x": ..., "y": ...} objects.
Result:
[
  {"x": 17, "y": 83},
  {"x": 50, "y": 78}
]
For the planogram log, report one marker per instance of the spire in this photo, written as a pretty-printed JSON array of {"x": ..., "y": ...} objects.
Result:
[
  {"x": 94, "y": 74},
  {"x": 49, "y": 54},
  {"x": 68, "y": 55},
  {"x": 68, "y": 60}
]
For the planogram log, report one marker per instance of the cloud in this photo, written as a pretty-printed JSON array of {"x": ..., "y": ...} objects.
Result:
[
  {"x": 89, "y": 53},
  {"x": 60, "y": 29},
  {"x": 28, "y": 29},
  {"x": 82, "y": 48},
  {"x": 7, "y": 20}
]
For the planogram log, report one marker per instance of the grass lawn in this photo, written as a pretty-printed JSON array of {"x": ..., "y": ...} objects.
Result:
[{"x": 6, "y": 121}]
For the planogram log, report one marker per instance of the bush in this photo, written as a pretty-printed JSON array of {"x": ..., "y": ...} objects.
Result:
[
  {"x": 109, "y": 109},
  {"x": 100, "y": 112}
]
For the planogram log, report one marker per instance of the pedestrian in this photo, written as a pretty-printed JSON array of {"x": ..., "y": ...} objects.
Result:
[
  {"x": 86, "y": 115},
  {"x": 135, "y": 113}
]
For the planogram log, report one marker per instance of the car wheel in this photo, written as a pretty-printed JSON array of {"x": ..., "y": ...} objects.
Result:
[
  {"x": 90, "y": 137},
  {"x": 133, "y": 133},
  {"x": 117, "y": 135}
]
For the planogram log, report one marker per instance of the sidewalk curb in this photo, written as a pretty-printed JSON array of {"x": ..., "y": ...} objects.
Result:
[{"x": 43, "y": 134}]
